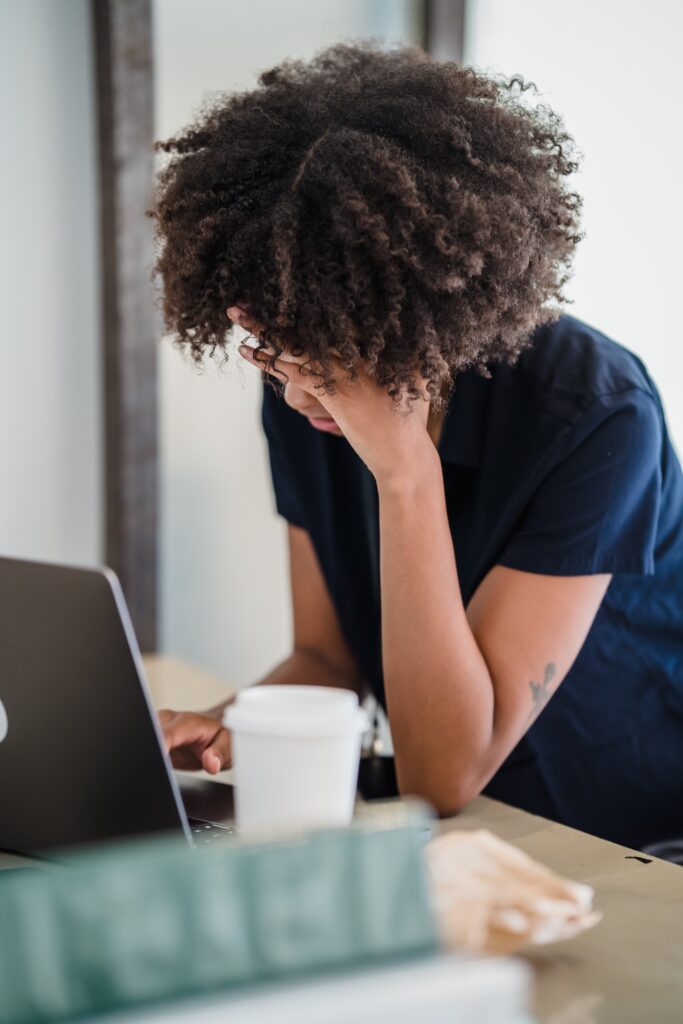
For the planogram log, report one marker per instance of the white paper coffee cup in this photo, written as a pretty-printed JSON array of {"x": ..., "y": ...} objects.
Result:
[{"x": 296, "y": 751}]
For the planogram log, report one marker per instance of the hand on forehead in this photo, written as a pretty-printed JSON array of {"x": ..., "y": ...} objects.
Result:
[{"x": 240, "y": 316}]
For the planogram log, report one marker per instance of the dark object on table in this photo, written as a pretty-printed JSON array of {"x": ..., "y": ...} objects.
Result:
[{"x": 377, "y": 777}]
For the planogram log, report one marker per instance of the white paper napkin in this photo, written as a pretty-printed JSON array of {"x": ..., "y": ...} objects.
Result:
[{"x": 491, "y": 897}]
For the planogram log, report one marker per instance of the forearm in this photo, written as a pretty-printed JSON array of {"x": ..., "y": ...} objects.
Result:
[
  {"x": 303, "y": 667},
  {"x": 309, "y": 667},
  {"x": 439, "y": 691}
]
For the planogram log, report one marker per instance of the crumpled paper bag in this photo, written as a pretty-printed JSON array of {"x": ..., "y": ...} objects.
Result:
[{"x": 491, "y": 897}]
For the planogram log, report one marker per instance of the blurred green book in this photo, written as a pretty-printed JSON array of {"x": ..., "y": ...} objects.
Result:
[{"x": 128, "y": 925}]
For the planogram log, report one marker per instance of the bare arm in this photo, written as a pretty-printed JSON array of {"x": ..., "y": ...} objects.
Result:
[
  {"x": 319, "y": 656},
  {"x": 320, "y": 653},
  {"x": 464, "y": 685}
]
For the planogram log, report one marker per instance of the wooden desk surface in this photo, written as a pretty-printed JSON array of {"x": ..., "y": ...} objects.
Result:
[{"x": 627, "y": 969}]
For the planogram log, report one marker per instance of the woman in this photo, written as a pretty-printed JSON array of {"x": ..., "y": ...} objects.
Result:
[{"x": 484, "y": 505}]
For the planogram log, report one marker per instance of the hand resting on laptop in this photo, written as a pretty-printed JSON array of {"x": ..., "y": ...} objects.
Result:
[{"x": 196, "y": 741}]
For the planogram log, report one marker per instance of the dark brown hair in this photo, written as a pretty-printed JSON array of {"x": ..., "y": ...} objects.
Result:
[{"x": 402, "y": 212}]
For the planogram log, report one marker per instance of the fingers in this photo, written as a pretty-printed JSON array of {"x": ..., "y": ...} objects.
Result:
[
  {"x": 285, "y": 357},
  {"x": 243, "y": 319},
  {"x": 287, "y": 367},
  {"x": 284, "y": 368},
  {"x": 218, "y": 755},
  {"x": 195, "y": 741},
  {"x": 184, "y": 728},
  {"x": 238, "y": 315},
  {"x": 185, "y": 759},
  {"x": 181, "y": 757}
]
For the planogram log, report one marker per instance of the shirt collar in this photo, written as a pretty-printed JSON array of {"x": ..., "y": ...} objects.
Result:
[{"x": 462, "y": 435}]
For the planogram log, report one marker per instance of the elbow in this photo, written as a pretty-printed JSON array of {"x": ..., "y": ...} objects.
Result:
[
  {"x": 446, "y": 797},
  {"x": 447, "y": 805}
]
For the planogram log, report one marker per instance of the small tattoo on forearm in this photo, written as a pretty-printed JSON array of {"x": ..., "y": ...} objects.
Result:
[{"x": 540, "y": 692}]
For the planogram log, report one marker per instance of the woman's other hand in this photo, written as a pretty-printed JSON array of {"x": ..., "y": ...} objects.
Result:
[{"x": 196, "y": 741}]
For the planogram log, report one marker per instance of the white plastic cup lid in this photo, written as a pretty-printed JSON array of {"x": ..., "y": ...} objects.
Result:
[{"x": 296, "y": 711}]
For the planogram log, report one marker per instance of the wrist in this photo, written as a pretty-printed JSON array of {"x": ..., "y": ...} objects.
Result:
[{"x": 416, "y": 470}]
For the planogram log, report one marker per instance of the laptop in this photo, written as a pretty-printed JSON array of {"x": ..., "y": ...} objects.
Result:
[{"x": 82, "y": 758}]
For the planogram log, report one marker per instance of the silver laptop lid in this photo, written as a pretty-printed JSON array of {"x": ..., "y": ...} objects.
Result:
[{"x": 81, "y": 754}]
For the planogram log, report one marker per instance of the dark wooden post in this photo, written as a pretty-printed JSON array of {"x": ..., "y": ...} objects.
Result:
[
  {"x": 125, "y": 103},
  {"x": 444, "y": 29}
]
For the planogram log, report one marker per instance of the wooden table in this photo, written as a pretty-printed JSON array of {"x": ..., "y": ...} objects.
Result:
[{"x": 627, "y": 969}]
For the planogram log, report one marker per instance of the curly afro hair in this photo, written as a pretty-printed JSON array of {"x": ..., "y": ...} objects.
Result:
[{"x": 401, "y": 213}]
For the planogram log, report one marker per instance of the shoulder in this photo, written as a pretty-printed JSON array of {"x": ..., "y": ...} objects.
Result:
[
  {"x": 572, "y": 388},
  {"x": 572, "y": 366},
  {"x": 599, "y": 388},
  {"x": 593, "y": 451}
]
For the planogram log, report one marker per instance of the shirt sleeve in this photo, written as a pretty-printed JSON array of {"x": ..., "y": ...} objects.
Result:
[
  {"x": 597, "y": 509},
  {"x": 275, "y": 425}
]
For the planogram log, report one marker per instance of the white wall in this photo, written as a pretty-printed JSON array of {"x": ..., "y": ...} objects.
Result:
[
  {"x": 50, "y": 465},
  {"x": 224, "y": 597},
  {"x": 612, "y": 69}
]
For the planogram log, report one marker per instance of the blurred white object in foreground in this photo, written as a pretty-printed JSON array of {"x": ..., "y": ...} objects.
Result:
[
  {"x": 491, "y": 897},
  {"x": 444, "y": 989}
]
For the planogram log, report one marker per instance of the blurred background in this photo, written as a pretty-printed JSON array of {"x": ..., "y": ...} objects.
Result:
[{"x": 113, "y": 448}]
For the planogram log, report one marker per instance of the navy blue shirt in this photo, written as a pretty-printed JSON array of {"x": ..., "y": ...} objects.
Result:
[{"x": 560, "y": 465}]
